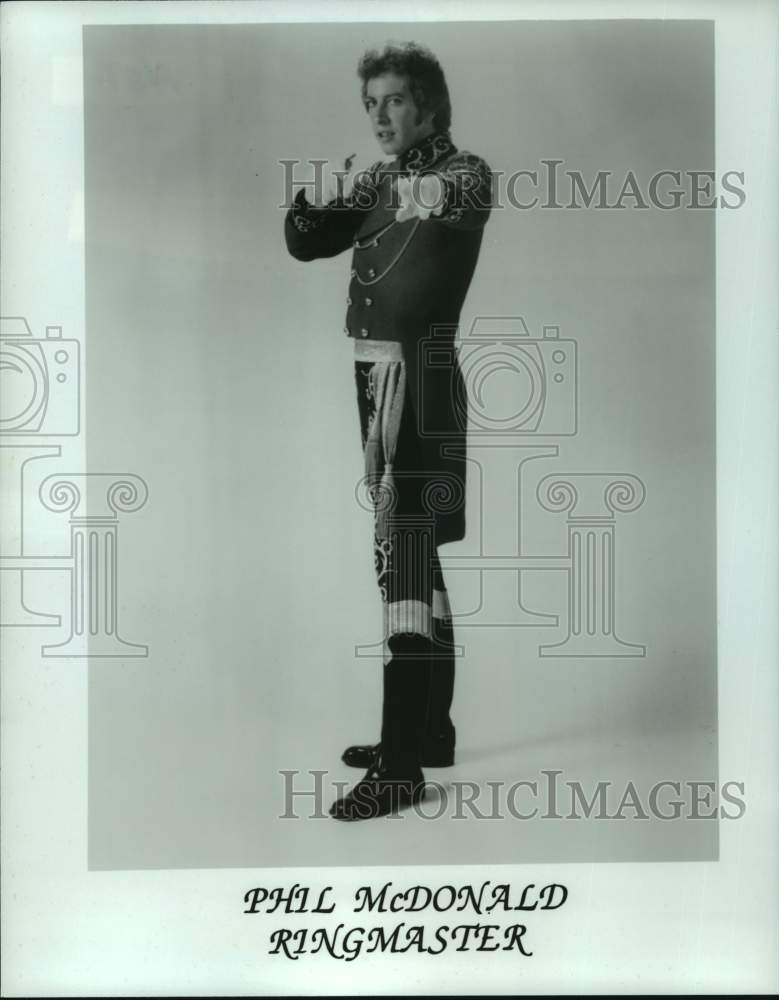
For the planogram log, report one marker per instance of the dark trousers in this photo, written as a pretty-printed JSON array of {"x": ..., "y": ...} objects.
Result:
[{"x": 418, "y": 635}]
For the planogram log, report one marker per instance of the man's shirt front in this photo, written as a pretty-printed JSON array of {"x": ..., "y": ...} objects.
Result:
[{"x": 406, "y": 277}]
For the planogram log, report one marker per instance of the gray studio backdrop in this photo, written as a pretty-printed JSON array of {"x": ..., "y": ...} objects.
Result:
[{"x": 217, "y": 370}]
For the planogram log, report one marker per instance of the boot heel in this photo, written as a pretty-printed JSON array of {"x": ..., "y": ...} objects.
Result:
[
  {"x": 438, "y": 750},
  {"x": 438, "y": 758}
]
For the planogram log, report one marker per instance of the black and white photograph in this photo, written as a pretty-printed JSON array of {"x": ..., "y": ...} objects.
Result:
[
  {"x": 443, "y": 478},
  {"x": 389, "y": 498}
]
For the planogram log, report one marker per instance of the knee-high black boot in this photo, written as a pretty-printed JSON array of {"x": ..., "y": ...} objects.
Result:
[
  {"x": 439, "y": 735},
  {"x": 406, "y": 701},
  {"x": 439, "y": 738},
  {"x": 395, "y": 780}
]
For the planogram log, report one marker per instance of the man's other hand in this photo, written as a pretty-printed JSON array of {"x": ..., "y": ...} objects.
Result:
[{"x": 420, "y": 197}]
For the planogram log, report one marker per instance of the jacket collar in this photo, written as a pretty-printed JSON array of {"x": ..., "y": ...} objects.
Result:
[{"x": 427, "y": 152}]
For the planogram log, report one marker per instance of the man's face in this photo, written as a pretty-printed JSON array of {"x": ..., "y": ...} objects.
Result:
[{"x": 395, "y": 118}]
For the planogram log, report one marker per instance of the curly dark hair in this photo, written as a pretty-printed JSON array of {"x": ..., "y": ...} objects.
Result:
[{"x": 425, "y": 77}]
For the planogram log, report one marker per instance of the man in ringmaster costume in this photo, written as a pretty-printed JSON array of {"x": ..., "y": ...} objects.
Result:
[{"x": 414, "y": 226}]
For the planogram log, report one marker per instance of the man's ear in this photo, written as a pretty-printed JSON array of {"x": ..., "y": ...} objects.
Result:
[{"x": 425, "y": 119}]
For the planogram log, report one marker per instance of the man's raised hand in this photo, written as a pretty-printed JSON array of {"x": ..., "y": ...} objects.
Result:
[{"x": 337, "y": 182}]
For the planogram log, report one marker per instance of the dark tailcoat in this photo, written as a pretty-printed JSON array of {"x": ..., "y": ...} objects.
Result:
[{"x": 408, "y": 283}]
